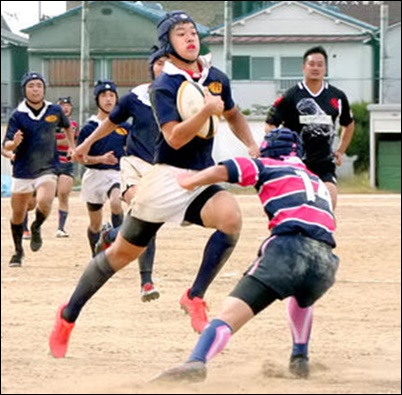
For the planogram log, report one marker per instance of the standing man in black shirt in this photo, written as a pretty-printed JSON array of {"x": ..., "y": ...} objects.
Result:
[{"x": 313, "y": 108}]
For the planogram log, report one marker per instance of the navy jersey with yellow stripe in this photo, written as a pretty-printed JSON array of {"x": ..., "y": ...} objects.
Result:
[
  {"x": 144, "y": 130},
  {"x": 116, "y": 142},
  {"x": 37, "y": 154},
  {"x": 197, "y": 154}
]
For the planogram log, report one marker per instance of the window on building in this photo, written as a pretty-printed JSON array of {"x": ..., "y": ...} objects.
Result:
[
  {"x": 65, "y": 72},
  {"x": 249, "y": 68},
  {"x": 291, "y": 67},
  {"x": 130, "y": 72},
  {"x": 262, "y": 69}
]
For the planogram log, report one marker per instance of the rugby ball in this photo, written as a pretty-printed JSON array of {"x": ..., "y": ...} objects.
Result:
[{"x": 190, "y": 100}]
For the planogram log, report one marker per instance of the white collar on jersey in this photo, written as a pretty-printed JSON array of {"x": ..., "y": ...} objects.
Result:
[
  {"x": 204, "y": 61},
  {"x": 303, "y": 85},
  {"x": 22, "y": 107},
  {"x": 142, "y": 92}
]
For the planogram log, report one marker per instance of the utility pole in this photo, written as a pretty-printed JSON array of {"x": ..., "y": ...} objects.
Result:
[
  {"x": 40, "y": 11},
  {"x": 85, "y": 58},
  {"x": 227, "y": 48},
  {"x": 383, "y": 30}
]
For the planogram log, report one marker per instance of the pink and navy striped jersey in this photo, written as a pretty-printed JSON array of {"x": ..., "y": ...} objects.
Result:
[{"x": 294, "y": 199}]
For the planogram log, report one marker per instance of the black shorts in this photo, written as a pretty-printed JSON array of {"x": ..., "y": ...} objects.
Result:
[
  {"x": 65, "y": 169},
  {"x": 295, "y": 265},
  {"x": 325, "y": 169}
]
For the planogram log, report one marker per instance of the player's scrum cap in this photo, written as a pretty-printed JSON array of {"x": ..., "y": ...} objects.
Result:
[
  {"x": 281, "y": 142},
  {"x": 103, "y": 86},
  {"x": 64, "y": 100},
  {"x": 167, "y": 22},
  {"x": 155, "y": 55},
  {"x": 30, "y": 76}
]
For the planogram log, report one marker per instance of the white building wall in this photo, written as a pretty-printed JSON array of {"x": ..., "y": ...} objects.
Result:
[
  {"x": 350, "y": 69},
  {"x": 291, "y": 19},
  {"x": 392, "y": 66}
]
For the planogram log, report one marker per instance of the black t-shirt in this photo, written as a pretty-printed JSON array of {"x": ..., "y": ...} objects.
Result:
[{"x": 314, "y": 117}]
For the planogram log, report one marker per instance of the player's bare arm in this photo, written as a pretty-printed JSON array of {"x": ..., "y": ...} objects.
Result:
[
  {"x": 212, "y": 175},
  {"x": 345, "y": 140},
  {"x": 12, "y": 145}
]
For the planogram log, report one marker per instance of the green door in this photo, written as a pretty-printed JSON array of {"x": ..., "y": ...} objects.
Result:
[{"x": 389, "y": 163}]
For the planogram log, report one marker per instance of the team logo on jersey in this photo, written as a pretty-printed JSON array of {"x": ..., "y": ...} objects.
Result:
[
  {"x": 335, "y": 103},
  {"x": 121, "y": 131},
  {"x": 215, "y": 88},
  {"x": 51, "y": 118}
]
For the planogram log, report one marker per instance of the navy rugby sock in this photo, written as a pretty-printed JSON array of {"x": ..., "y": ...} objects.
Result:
[
  {"x": 97, "y": 273},
  {"x": 217, "y": 251},
  {"x": 146, "y": 262}
]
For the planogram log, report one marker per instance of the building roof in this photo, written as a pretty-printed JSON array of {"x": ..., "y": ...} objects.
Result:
[
  {"x": 211, "y": 13},
  {"x": 153, "y": 14},
  {"x": 288, "y": 39},
  {"x": 332, "y": 13},
  {"x": 8, "y": 37}
]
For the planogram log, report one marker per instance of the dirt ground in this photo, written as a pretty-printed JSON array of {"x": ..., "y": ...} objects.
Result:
[{"x": 119, "y": 343}]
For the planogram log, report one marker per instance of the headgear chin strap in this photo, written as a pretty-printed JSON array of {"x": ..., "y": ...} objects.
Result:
[{"x": 164, "y": 27}]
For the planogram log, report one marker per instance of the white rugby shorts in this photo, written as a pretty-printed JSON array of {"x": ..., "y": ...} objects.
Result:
[
  {"x": 160, "y": 198},
  {"x": 22, "y": 186},
  {"x": 96, "y": 185},
  {"x": 132, "y": 169}
]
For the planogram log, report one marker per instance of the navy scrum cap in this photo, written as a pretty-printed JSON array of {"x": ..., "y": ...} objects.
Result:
[
  {"x": 64, "y": 100},
  {"x": 155, "y": 55},
  {"x": 103, "y": 86},
  {"x": 30, "y": 76},
  {"x": 165, "y": 25},
  {"x": 281, "y": 142}
]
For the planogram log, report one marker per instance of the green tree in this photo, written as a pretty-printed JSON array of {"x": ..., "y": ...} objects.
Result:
[{"x": 360, "y": 144}]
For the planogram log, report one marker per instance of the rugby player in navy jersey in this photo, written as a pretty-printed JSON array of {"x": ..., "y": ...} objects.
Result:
[
  {"x": 101, "y": 180},
  {"x": 315, "y": 109},
  {"x": 31, "y": 135},
  {"x": 295, "y": 261},
  {"x": 159, "y": 198},
  {"x": 140, "y": 157}
]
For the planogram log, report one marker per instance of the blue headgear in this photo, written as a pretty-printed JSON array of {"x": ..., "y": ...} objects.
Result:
[
  {"x": 103, "y": 86},
  {"x": 64, "y": 100},
  {"x": 156, "y": 54},
  {"x": 281, "y": 142},
  {"x": 30, "y": 76},
  {"x": 164, "y": 27}
]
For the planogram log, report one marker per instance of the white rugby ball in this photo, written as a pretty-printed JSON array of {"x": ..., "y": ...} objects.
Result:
[{"x": 190, "y": 100}]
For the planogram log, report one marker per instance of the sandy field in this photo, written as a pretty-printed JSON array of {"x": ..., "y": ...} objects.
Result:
[{"x": 119, "y": 343}]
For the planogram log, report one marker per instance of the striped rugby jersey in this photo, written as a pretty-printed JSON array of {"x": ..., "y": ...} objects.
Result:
[{"x": 294, "y": 199}]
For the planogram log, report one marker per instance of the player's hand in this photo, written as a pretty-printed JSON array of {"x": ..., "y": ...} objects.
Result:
[
  {"x": 214, "y": 103},
  {"x": 109, "y": 159},
  {"x": 184, "y": 180},
  {"x": 80, "y": 153},
  {"x": 18, "y": 138},
  {"x": 339, "y": 158},
  {"x": 254, "y": 151}
]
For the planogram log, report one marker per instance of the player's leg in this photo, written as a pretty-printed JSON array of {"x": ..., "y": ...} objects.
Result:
[
  {"x": 45, "y": 192},
  {"x": 130, "y": 243},
  {"x": 95, "y": 214},
  {"x": 64, "y": 188},
  {"x": 248, "y": 299},
  {"x": 116, "y": 206},
  {"x": 300, "y": 322},
  {"x": 217, "y": 209},
  {"x": 19, "y": 207}
]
